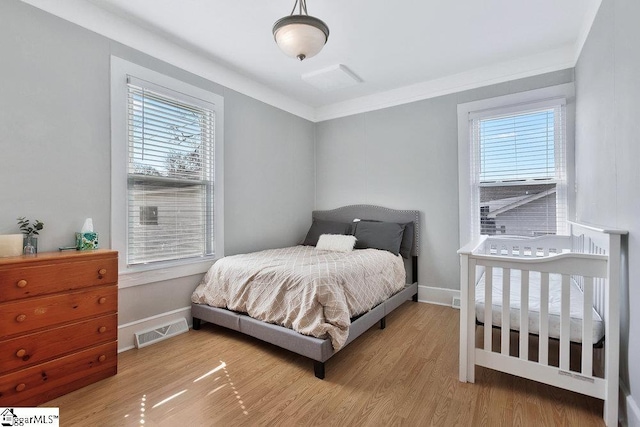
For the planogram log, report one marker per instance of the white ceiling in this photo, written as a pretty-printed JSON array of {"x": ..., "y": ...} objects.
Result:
[{"x": 400, "y": 49}]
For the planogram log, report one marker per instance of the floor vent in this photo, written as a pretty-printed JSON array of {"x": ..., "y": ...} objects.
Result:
[
  {"x": 152, "y": 336},
  {"x": 456, "y": 302}
]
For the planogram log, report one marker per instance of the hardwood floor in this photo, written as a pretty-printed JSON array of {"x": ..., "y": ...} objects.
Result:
[{"x": 406, "y": 374}]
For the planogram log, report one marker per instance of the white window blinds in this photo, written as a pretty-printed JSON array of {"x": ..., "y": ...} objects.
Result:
[
  {"x": 170, "y": 175},
  {"x": 518, "y": 170}
]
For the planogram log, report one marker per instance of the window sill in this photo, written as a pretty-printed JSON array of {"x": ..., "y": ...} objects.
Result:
[{"x": 146, "y": 274}]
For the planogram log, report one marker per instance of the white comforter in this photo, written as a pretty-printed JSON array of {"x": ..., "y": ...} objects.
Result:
[{"x": 310, "y": 291}]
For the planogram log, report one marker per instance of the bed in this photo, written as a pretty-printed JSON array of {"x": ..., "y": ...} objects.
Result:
[
  {"x": 553, "y": 315},
  {"x": 224, "y": 304}
]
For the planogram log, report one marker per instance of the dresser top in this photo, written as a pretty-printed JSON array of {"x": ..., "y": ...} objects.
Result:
[{"x": 58, "y": 256}]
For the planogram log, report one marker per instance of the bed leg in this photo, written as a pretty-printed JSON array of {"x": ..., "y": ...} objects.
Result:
[
  {"x": 196, "y": 324},
  {"x": 414, "y": 298},
  {"x": 318, "y": 369},
  {"x": 383, "y": 323}
]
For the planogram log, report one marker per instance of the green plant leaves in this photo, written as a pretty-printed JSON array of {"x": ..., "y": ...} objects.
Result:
[{"x": 30, "y": 230}]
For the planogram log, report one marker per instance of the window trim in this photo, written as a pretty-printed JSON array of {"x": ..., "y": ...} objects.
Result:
[
  {"x": 149, "y": 273},
  {"x": 497, "y": 105}
]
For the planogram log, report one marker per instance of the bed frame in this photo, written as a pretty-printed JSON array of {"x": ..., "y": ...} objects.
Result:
[
  {"x": 321, "y": 350},
  {"x": 589, "y": 256}
]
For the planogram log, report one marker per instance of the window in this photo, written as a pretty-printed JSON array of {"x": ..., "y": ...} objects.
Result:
[
  {"x": 519, "y": 177},
  {"x": 516, "y": 168},
  {"x": 166, "y": 171},
  {"x": 171, "y": 153}
]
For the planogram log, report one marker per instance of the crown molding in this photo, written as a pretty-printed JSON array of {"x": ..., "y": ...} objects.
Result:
[
  {"x": 555, "y": 60},
  {"x": 95, "y": 19}
]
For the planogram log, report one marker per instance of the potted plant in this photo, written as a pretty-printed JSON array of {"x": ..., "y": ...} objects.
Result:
[{"x": 30, "y": 231}]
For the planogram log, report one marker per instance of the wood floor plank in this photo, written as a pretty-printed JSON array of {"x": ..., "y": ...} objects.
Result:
[{"x": 404, "y": 375}]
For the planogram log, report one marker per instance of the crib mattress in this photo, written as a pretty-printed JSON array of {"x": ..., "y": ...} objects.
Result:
[{"x": 555, "y": 291}]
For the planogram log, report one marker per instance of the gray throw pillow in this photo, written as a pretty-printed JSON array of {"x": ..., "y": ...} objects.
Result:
[
  {"x": 407, "y": 240},
  {"x": 319, "y": 227},
  {"x": 407, "y": 237},
  {"x": 386, "y": 236}
]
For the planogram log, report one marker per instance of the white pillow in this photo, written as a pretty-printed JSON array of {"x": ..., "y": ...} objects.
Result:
[{"x": 336, "y": 243}]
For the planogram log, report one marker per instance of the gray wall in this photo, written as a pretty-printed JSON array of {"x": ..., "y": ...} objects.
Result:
[
  {"x": 406, "y": 157},
  {"x": 55, "y": 149},
  {"x": 608, "y": 151},
  {"x": 55, "y": 152}
]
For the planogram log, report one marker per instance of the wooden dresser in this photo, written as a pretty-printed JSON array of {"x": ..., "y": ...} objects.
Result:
[{"x": 58, "y": 323}]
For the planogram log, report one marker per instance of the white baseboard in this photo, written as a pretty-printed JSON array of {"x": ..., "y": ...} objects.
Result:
[
  {"x": 629, "y": 407},
  {"x": 126, "y": 340},
  {"x": 439, "y": 296}
]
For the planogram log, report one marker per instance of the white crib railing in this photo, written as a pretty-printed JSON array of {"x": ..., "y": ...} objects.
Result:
[{"x": 591, "y": 258}]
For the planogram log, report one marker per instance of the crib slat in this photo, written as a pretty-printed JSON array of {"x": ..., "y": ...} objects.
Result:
[
  {"x": 599, "y": 296},
  {"x": 587, "y": 327},
  {"x": 470, "y": 325},
  {"x": 488, "y": 305},
  {"x": 565, "y": 316},
  {"x": 524, "y": 315},
  {"x": 506, "y": 310},
  {"x": 599, "y": 290},
  {"x": 543, "y": 344}
]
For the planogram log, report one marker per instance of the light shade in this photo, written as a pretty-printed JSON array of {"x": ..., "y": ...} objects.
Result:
[{"x": 300, "y": 36}]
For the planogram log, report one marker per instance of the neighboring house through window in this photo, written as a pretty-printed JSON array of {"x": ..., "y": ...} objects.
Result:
[
  {"x": 166, "y": 180},
  {"x": 513, "y": 165}
]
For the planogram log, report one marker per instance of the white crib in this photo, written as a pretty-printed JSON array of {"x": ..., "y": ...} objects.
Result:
[{"x": 561, "y": 291}]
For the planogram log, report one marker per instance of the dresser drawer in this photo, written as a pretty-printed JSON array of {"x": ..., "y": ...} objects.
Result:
[
  {"x": 28, "y": 350},
  {"x": 41, "y": 383},
  {"x": 28, "y": 280},
  {"x": 35, "y": 313}
]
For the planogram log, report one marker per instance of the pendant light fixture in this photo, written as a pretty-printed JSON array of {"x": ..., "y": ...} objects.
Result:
[{"x": 300, "y": 36}]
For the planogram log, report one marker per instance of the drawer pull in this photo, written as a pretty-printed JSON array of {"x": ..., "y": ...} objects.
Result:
[
  {"x": 22, "y": 283},
  {"x": 102, "y": 271},
  {"x": 102, "y": 300},
  {"x": 102, "y": 329},
  {"x": 21, "y": 353},
  {"x": 21, "y": 318},
  {"x": 21, "y": 387},
  {"x": 102, "y": 358}
]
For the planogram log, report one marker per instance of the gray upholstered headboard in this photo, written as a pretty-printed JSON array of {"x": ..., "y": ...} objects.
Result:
[{"x": 377, "y": 213}]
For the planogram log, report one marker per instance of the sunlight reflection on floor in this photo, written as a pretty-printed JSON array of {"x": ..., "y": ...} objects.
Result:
[
  {"x": 235, "y": 392},
  {"x": 142, "y": 408},
  {"x": 214, "y": 370},
  {"x": 173, "y": 396},
  {"x": 216, "y": 382},
  {"x": 223, "y": 373}
]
